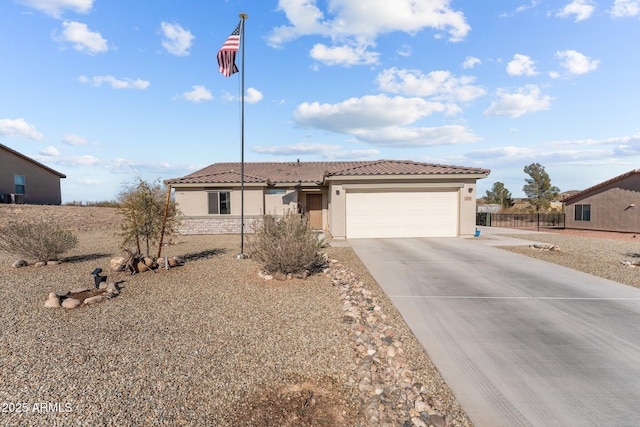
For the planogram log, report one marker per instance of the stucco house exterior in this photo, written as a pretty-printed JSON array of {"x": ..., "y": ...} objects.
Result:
[
  {"x": 358, "y": 199},
  {"x": 24, "y": 180},
  {"x": 612, "y": 205}
]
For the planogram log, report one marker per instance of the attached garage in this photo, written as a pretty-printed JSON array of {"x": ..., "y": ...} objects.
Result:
[{"x": 401, "y": 213}]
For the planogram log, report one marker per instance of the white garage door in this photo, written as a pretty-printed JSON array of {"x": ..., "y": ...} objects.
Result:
[{"x": 402, "y": 214}]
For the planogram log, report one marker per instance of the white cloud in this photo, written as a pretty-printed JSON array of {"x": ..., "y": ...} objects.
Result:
[
  {"x": 622, "y": 8},
  {"x": 50, "y": 151},
  {"x": 441, "y": 85},
  {"x": 11, "y": 128},
  {"x": 396, "y": 136},
  {"x": 76, "y": 140},
  {"x": 575, "y": 62},
  {"x": 253, "y": 96},
  {"x": 471, "y": 62},
  {"x": 83, "y": 39},
  {"x": 368, "y": 112},
  {"x": 521, "y": 65},
  {"x": 524, "y": 7},
  {"x": 382, "y": 121},
  {"x": 115, "y": 83},
  {"x": 343, "y": 55},
  {"x": 527, "y": 99},
  {"x": 56, "y": 7},
  {"x": 405, "y": 50},
  {"x": 582, "y": 9},
  {"x": 177, "y": 41},
  {"x": 326, "y": 151},
  {"x": 198, "y": 93},
  {"x": 350, "y": 24}
]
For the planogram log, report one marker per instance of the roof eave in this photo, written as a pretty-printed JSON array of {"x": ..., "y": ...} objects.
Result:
[{"x": 405, "y": 177}]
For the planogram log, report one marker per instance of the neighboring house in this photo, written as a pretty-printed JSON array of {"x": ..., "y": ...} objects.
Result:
[
  {"x": 384, "y": 198},
  {"x": 612, "y": 205},
  {"x": 24, "y": 180}
]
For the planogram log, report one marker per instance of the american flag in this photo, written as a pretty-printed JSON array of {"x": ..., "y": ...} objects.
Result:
[{"x": 227, "y": 53}]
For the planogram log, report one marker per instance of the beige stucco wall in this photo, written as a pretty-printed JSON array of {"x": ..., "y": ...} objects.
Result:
[
  {"x": 610, "y": 207},
  {"x": 194, "y": 201},
  {"x": 279, "y": 204},
  {"x": 467, "y": 206},
  {"x": 42, "y": 186}
]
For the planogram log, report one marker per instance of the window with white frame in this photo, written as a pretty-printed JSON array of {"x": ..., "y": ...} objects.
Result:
[
  {"x": 219, "y": 202},
  {"x": 19, "y": 182},
  {"x": 582, "y": 213}
]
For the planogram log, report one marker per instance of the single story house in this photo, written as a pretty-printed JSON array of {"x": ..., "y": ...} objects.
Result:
[
  {"x": 358, "y": 199},
  {"x": 24, "y": 180},
  {"x": 612, "y": 205}
]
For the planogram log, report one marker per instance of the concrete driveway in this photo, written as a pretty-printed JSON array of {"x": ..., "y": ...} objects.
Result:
[{"x": 519, "y": 341}]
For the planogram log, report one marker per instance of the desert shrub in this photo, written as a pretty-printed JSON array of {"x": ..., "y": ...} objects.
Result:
[
  {"x": 284, "y": 244},
  {"x": 40, "y": 241}
]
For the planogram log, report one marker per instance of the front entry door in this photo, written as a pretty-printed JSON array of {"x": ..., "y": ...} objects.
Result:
[{"x": 314, "y": 207}]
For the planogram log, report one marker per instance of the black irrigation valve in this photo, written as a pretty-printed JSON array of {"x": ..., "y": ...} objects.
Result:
[{"x": 97, "y": 278}]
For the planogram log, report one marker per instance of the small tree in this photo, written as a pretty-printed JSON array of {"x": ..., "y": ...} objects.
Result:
[
  {"x": 142, "y": 206},
  {"x": 285, "y": 244},
  {"x": 538, "y": 187},
  {"x": 499, "y": 195}
]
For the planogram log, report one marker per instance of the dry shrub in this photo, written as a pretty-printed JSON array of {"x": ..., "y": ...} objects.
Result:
[
  {"x": 284, "y": 244},
  {"x": 40, "y": 241}
]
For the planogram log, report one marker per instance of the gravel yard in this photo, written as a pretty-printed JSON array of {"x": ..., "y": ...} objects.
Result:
[
  {"x": 208, "y": 343},
  {"x": 602, "y": 257}
]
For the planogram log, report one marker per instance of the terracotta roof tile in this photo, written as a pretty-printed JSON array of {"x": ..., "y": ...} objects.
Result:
[{"x": 315, "y": 172}]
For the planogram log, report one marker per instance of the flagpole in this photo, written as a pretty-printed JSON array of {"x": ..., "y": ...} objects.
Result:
[{"x": 241, "y": 255}]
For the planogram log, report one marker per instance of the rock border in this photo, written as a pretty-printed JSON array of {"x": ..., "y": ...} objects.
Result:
[
  {"x": 70, "y": 299},
  {"x": 388, "y": 389}
]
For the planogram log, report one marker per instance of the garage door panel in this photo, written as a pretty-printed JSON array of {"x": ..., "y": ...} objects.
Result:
[{"x": 402, "y": 214}]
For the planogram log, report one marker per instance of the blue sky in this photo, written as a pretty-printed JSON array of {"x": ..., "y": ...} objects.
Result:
[{"x": 104, "y": 91}]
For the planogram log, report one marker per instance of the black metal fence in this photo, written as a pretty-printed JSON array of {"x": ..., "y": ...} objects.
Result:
[{"x": 525, "y": 221}]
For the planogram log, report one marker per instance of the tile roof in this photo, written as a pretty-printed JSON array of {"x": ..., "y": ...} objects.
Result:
[
  {"x": 315, "y": 172},
  {"x": 601, "y": 185}
]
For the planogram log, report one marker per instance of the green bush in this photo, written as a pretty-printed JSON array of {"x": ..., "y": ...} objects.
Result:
[
  {"x": 284, "y": 244},
  {"x": 42, "y": 241}
]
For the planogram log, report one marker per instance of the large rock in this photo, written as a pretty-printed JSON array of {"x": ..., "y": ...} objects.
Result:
[
  {"x": 118, "y": 263},
  {"x": 52, "y": 301},
  {"x": 19, "y": 263},
  {"x": 279, "y": 276},
  {"x": 175, "y": 261},
  {"x": 149, "y": 262},
  {"x": 70, "y": 303},
  {"x": 95, "y": 300}
]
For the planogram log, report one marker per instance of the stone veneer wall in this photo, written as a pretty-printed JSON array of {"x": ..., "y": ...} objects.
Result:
[{"x": 215, "y": 225}]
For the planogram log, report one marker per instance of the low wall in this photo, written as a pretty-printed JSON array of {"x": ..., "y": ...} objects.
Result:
[{"x": 215, "y": 225}]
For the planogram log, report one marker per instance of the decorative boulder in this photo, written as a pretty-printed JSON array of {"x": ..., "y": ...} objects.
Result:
[
  {"x": 149, "y": 262},
  {"x": 70, "y": 303},
  {"x": 175, "y": 261},
  {"x": 118, "y": 263},
  {"x": 95, "y": 300},
  {"x": 52, "y": 301}
]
